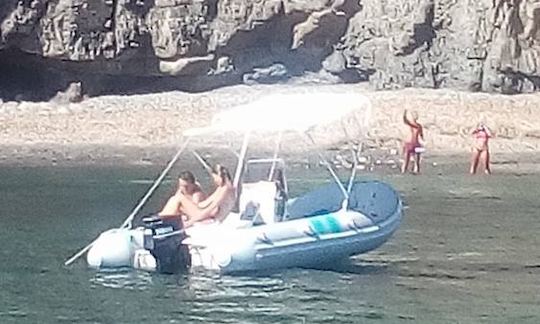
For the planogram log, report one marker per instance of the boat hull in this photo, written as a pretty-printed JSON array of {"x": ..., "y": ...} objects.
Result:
[
  {"x": 294, "y": 243},
  {"x": 324, "y": 234}
]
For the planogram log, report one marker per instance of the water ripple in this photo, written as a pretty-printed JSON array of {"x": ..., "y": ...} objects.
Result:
[{"x": 126, "y": 279}]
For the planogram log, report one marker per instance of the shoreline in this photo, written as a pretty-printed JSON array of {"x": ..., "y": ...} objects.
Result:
[
  {"x": 73, "y": 156},
  {"x": 141, "y": 129}
]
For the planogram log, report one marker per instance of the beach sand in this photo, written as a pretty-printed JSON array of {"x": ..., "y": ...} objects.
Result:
[{"x": 148, "y": 128}]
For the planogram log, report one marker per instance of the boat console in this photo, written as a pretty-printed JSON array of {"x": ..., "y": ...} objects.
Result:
[{"x": 263, "y": 194}]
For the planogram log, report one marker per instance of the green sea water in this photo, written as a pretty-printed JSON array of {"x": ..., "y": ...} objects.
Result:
[{"x": 466, "y": 252}]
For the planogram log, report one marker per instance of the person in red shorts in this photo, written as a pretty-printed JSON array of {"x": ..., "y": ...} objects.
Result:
[{"x": 412, "y": 146}]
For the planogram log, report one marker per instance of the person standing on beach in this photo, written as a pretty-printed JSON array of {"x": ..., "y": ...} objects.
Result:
[
  {"x": 412, "y": 146},
  {"x": 480, "y": 149}
]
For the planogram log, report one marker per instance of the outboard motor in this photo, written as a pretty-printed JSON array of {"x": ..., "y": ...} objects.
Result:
[{"x": 163, "y": 238}]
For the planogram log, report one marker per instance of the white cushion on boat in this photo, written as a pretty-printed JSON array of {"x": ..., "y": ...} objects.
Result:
[
  {"x": 200, "y": 234},
  {"x": 234, "y": 220},
  {"x": 258, "y": 199}
]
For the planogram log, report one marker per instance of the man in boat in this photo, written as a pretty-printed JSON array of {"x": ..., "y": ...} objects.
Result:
[
  {"x": 412, "y": 146},
  {"x": 188, "y": 187},
  {"x": 216, "y": 206}
]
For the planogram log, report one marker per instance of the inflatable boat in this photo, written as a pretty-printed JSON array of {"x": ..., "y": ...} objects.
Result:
[
  {"x": 317, "y": 231},
  {"x": 267, "y": 229}
]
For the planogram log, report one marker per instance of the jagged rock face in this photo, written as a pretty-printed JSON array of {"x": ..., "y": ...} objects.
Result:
[
  {"x": 479, "y": 45},
  {"x": 487, "y": 45}
]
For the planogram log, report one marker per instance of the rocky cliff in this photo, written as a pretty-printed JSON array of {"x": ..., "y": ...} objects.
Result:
[{"x": 480, "y": 45}]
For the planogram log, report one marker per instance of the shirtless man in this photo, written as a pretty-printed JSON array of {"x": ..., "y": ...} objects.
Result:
[
  {"x": 217, "y": 206},
  {"x": 412, "y": 147},
  {"x": 480, "y": 149},
  {"x": 189, "y": 188}
]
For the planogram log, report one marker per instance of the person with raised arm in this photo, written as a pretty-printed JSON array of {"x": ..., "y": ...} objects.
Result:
[
  {"x": 480, "y": 148},
  {"x": 412, "y": 146}
]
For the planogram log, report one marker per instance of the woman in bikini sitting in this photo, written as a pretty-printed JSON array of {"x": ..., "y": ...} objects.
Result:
[
  {"x": 217, "y": 206},
  {"x": 480, "y": 149},
  {"x": 412, "y": 147}
]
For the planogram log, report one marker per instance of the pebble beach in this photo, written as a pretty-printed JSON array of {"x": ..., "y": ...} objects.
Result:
[{"x": 148, "y": 128}]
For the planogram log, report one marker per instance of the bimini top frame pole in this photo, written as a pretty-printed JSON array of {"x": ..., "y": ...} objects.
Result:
[
  {"x": 297, "y": 112},
  {"x": 241, "y": 160},
  {"x": 332, "y": 172},
  {"x": 274, "y": 157},
  {"x": 129, "y": 219},
  {"x": 127, "y": 222},
  {"x": 203, "y": 162}
]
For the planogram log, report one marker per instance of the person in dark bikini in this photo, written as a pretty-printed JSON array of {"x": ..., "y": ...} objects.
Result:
[
  {"x": 412, "y": 146},
  {"x": 480, "y": 149}
]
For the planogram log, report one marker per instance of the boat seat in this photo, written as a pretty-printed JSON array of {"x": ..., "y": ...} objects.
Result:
[{"x": 259, "y": 202}]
